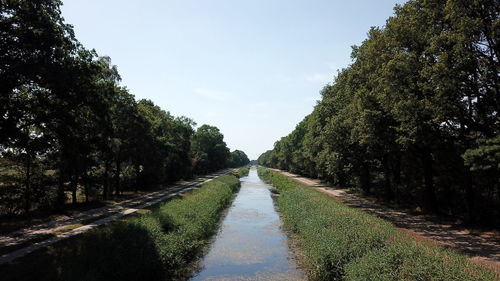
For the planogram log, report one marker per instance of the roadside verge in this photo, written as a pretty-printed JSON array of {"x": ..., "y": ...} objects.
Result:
[{"x": 342, "y": 243}]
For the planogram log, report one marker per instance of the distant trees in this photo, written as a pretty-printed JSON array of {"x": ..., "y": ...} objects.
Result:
[
  {"x": 68, "y": 127},
  {"x": 238, "y": 158},
  {"x": 209, "y": 149},
  {"x": 415, "y": 117}
]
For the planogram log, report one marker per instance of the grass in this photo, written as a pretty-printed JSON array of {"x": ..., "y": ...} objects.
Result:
[
  {"x": 342, "y": 243},
  {"x": 160, "y": 245},
  {"x": 10, "y": 222},
  {"x": 67, "y": 228},
  {"x": 242, "y": 172}
]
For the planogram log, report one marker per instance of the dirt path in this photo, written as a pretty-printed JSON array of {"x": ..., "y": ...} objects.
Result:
[
  {"x": 29, "y": 239},
  {"x": 482, "y": 247}
]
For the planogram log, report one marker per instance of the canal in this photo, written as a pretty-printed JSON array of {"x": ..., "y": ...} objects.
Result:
[{"x": 250, "y": 244}]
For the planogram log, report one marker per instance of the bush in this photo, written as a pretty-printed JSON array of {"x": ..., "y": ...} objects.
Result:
[
  {"x": 242, "y": 172},
  {"x": 410, "y": 260},
  {"x": 342, "y": 243}
]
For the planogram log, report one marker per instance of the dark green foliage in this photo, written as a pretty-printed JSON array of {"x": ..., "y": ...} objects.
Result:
[
  {"x": 129, "y": 247},
  {"x": 157, "y": 246},
  {"x": 67, "y": 127},
  {"x": 341, "y": 243},
  {"x": 238, "y": 158},
  {"x": 486, "y": 157},
  {"x": 414, "y": 118},
  {"x": 209, "y": 150}
]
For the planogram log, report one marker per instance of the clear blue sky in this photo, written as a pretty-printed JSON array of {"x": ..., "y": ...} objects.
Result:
[{"x": 252, "y": 68}]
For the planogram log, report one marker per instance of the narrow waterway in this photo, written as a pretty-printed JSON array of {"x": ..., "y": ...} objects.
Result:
[{"x": 250, "y": 244}]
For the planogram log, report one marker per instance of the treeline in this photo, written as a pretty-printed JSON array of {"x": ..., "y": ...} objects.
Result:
[
  {"x": 238, "y": 158},
  {"x": 414, "y": 118},
  {"x": 68, "y": 126}
]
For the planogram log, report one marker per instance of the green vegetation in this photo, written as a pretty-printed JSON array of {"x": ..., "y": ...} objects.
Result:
[
  {"x": 69, "y": 129},
  {"x": 414, "y": 118},
  {"x": 211, "y": 152},
  {"x": 341, "y": 243},
  {"x": 238, "y": 158},
  {"x": 243, "y": 171},
  {"x": 161, "y": 245}
]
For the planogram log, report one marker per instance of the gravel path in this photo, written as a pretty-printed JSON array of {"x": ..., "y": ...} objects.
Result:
[
  {"x": 97, "y": 217},
  {"x": 482, "y": 247}
]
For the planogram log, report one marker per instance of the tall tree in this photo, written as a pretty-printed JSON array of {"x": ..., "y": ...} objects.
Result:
[{"x": 209, "y": 149}]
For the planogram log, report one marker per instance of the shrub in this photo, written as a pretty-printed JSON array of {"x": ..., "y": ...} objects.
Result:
[{"x": 242, "y": 172}]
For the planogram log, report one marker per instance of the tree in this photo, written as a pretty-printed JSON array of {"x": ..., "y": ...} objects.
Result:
[
  {"x": 415, "y": 116},
  {"x": 67, "y": 125},
  {"x": 209, "y": 149},
  {"x": 238, "y": 158}
]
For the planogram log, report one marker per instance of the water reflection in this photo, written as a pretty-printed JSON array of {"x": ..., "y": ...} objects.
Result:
[{"x": 250, "y": 245}]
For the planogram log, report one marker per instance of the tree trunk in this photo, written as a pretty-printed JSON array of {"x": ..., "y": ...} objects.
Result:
[
  {"x": 396, "y": 175},
  {"x": 117, "y": 177},
  {"x": 389, "y": 194},
  {"x": 74, "y": 185},
  {"x": 342, "y": 182},
  {"x": 430, "y": 200},
  {"x": 27, "y": 194},
  {"x": 61, "y": 197},
  {"x": 137, "y": 175},
  {"x": 341, "y": 177},
  {"x": 86, "y": 186},
  {"x": 469, "y": 194},
  {"x": 396, "y": 171},
  {"x": 105, "y": 191},
  {"x": 365, "y": 178}
]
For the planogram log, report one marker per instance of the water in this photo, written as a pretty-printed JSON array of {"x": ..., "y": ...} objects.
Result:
[{"x": 250, "y": 244}]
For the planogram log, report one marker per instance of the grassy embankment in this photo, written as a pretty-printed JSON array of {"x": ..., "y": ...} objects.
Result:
[
  {"x": 342, "y": 243},
  {"x": 159, "y": 245},
  {"x": 243, "y": 171}
]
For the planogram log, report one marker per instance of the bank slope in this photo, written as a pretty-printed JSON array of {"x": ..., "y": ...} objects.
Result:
[
  {"x": 341, "y": 243},
  {"x": 160, "y": 245}
]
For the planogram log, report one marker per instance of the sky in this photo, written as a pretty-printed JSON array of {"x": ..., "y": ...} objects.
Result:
[{"x": 252, "y": 68}]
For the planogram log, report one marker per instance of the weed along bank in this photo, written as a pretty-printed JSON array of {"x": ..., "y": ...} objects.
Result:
[{"x": 250, "y": 244}]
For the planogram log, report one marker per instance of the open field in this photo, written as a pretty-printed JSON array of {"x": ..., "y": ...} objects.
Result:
[
  {"x": 160, "y": 245},
  {"x": 342, "y": 243}
]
